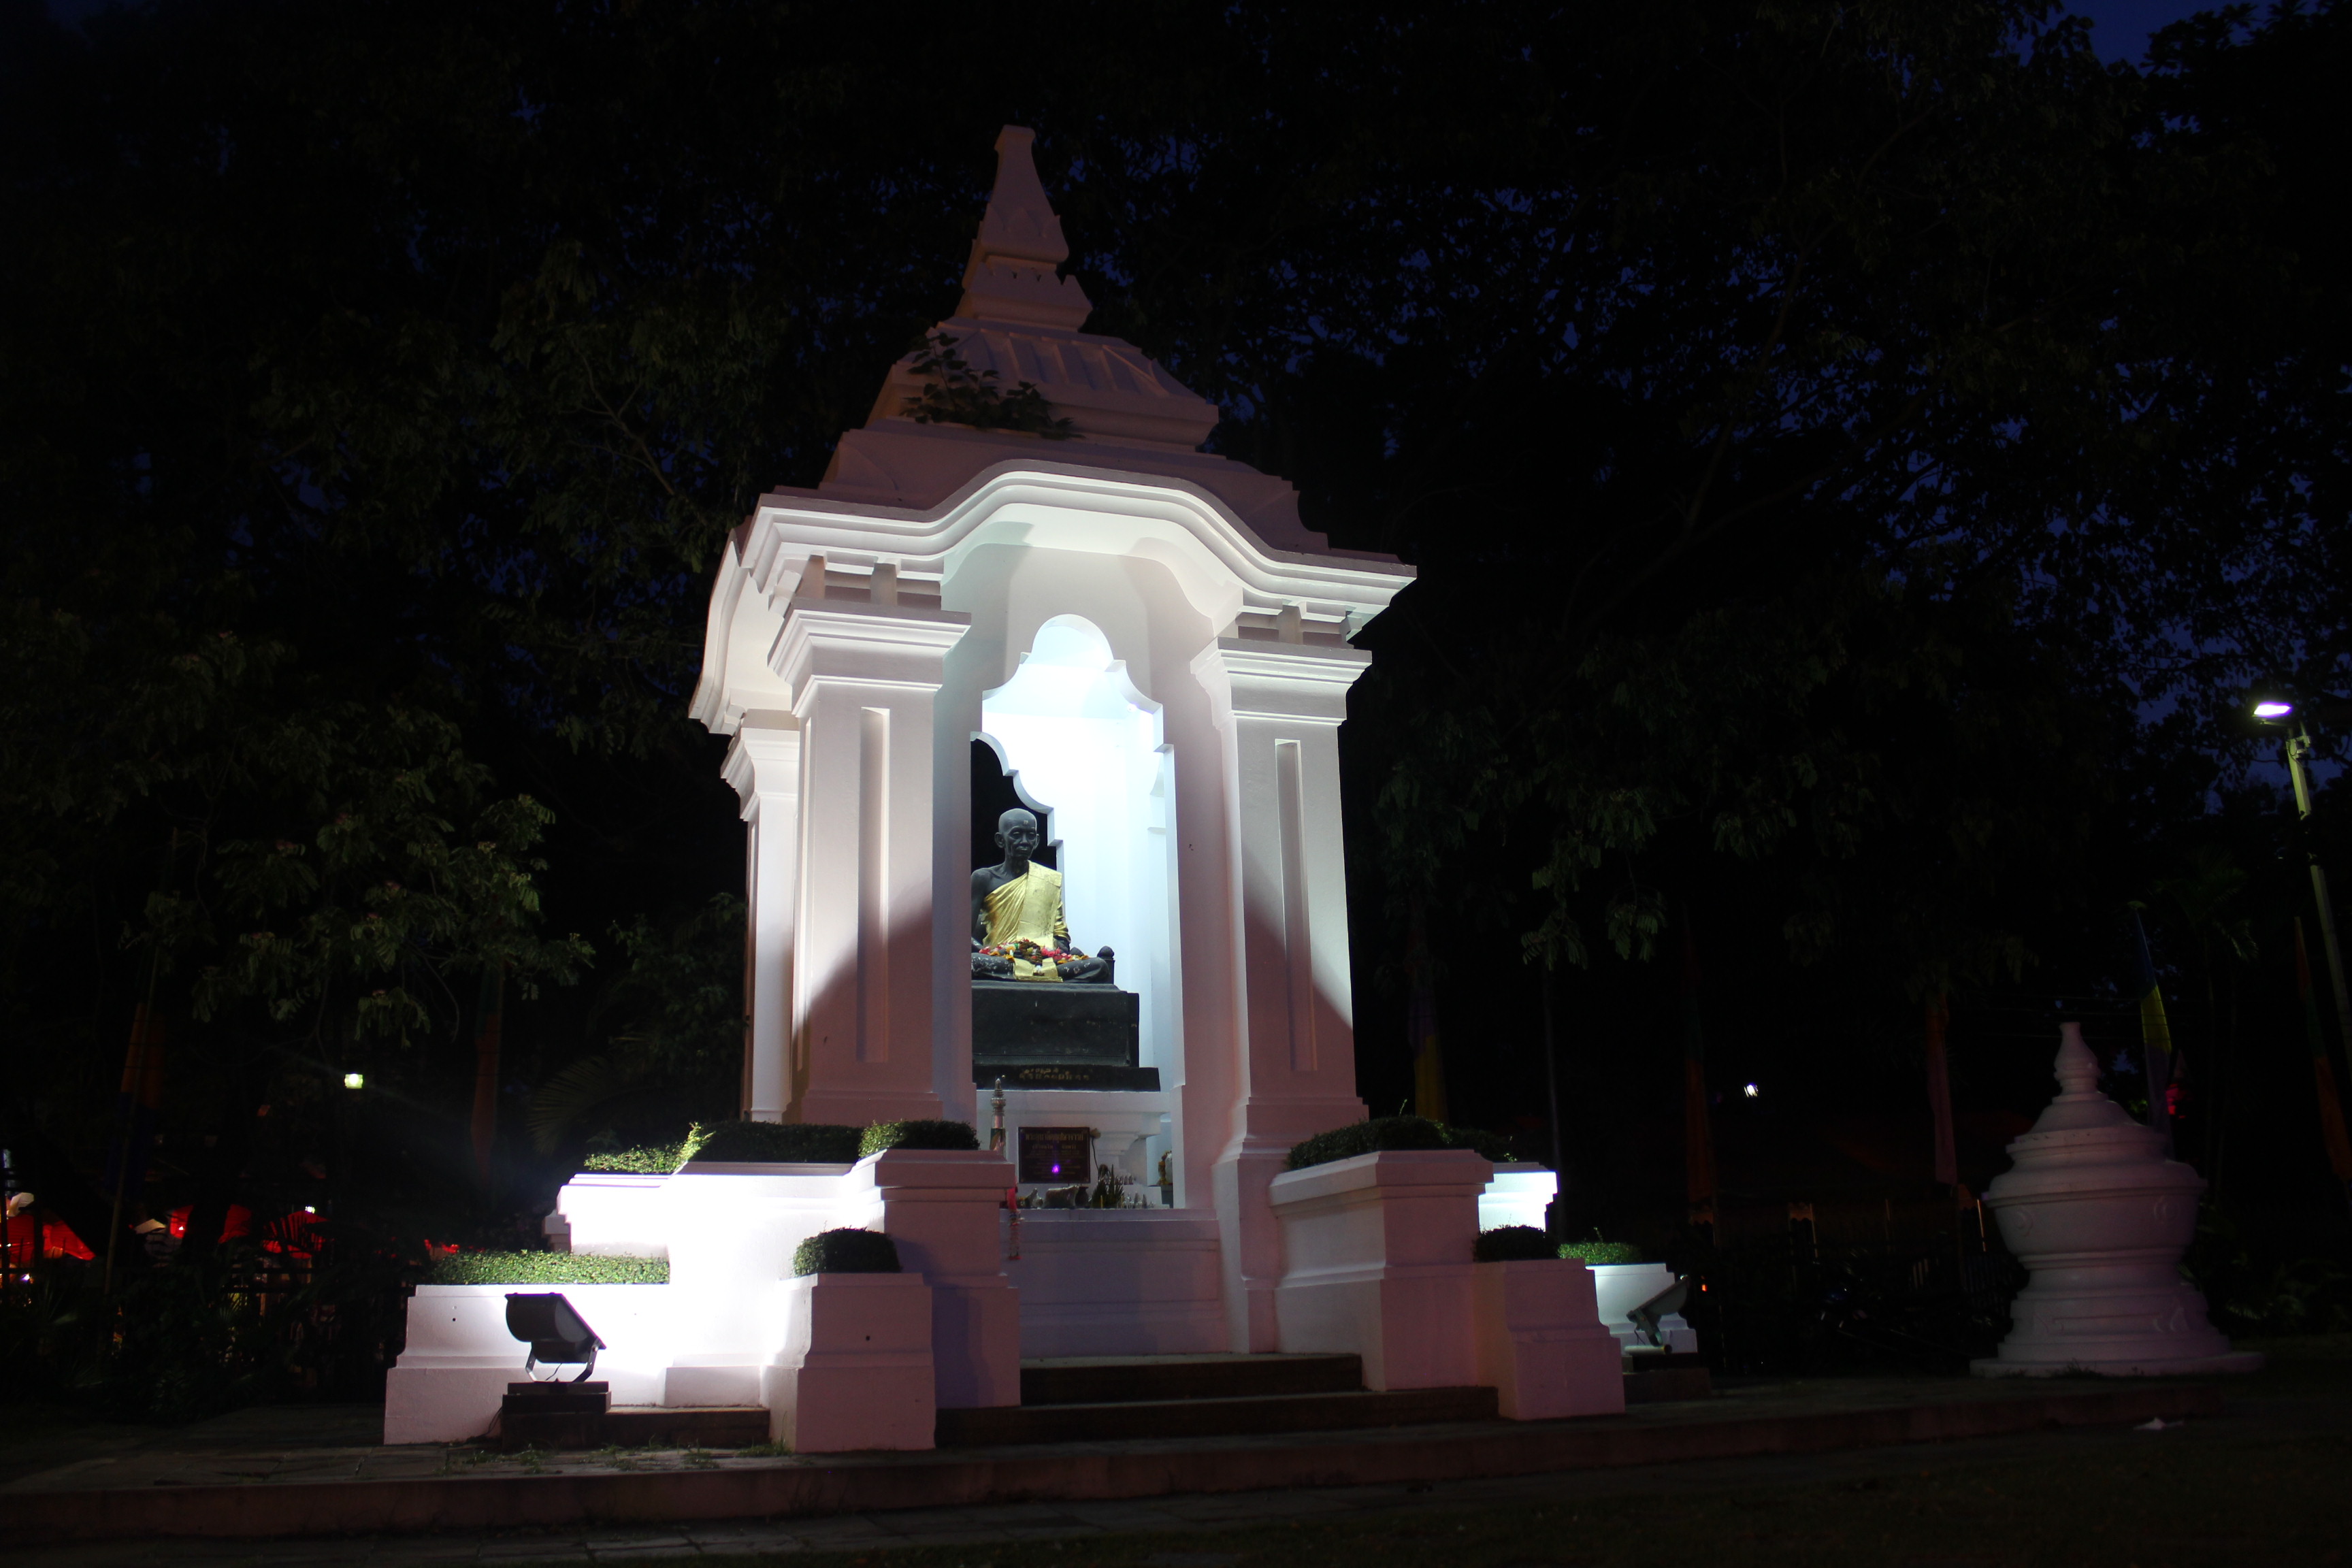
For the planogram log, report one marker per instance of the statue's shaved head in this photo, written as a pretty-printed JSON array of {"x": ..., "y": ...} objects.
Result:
[{"x": 1028, "y": 819}]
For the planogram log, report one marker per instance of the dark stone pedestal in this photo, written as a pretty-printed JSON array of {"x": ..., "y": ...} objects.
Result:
[
  {"x": 580, "y": 1415},
  {"x": 554, "y": 1416},
  {"x": 1043, "y": 1035}
]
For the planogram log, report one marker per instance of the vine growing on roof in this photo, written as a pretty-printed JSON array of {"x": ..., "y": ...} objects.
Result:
[{"x": 956, "y": 393}]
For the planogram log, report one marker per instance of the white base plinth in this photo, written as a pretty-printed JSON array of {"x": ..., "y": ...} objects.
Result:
[
  {"x": 855, "y": 1372},
  {"x": 2150, "y": 1326},
  {"x": 1541, "y": 1345},
  {"x": 1119, "y": 1282},
  {"x": 1376, "y": 1260},
  {"x": 940, "y": 1207}
]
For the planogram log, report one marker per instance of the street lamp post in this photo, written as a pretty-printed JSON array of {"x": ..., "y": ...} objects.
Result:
[{"x": 2289, "y": 715}]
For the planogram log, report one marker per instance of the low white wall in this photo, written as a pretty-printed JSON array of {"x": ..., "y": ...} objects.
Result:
[
  {"x": 611, "y": 1213},
  {"x": 1622, "y": 1286},
  {"x": 1518, "y": 1194},
  {"x": 459, "y": 1358},
  {"x": 731, "y": 1229},
  {"x": 1117, "y": 1282},
  {"x": 1103, "y": 1282},
  {"x": 1377, "y": 1258}
]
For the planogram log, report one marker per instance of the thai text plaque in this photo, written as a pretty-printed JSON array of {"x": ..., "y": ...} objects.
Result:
[{"x": 1059, "y": 1155}]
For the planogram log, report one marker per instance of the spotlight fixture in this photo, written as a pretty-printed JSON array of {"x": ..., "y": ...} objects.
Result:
[
  {"x": 556, "y": 1333},
  {"x": 1750, "y": 1091},
  {"x": 355, "y": 1080}
]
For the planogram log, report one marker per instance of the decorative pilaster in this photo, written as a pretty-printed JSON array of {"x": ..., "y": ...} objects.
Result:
[
  {"x": 863, "y": 678},
  {"x": 763, "y": 763},
  {"x": 1299, "y": 1060}
]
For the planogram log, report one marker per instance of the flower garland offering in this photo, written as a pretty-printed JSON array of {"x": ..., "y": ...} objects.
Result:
[{"x": 1031, "y": 953}]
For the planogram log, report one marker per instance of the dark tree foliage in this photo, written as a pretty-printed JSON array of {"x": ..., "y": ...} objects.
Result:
[{"x": 1855, "y": 456}]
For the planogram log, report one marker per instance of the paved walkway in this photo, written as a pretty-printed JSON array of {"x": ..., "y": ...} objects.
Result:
[
  {"x": 2257, "y": 1420},
  {"x": 293, "y": 1445}
]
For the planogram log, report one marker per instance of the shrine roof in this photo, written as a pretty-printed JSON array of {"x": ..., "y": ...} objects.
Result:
[{"x": 1020, "y": 319}]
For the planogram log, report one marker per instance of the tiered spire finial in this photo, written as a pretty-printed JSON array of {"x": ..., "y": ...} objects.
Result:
[{"x": 1012, "y": 276}]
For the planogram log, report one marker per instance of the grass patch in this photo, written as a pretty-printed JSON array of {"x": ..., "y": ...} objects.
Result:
[{"x": 546, "y": 1268}]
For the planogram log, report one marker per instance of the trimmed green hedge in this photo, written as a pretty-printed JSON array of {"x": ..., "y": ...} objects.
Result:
[
  {"x": 546, "y": 1268},
  {"x": 1365, "y": 1137},
  {"x": 1495, "y": 1146},
  {"x": 1396, "y": 1132},
  {"x": 773, "y": 1142},
  {"x": 1602, "y": 1251},
  {"x": 846, "y": 1252},
  {"x": 1513, "y": 1244},
  {"x": 650, "y": 1159},
  {"x": 784, "y": 1143},
  {"x": 886, "y": 1135}
]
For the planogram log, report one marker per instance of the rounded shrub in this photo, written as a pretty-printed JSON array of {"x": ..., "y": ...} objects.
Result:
[
  {"x": 1494, "y": 1146},
  {"x": 885, "y": 1135},
  {"x": 1396, "y": 1133},
  {"x": 846, "y": 1252},
  {"x": 1513, "y": 1244},
  {"x": 1366, "y": 1138}
]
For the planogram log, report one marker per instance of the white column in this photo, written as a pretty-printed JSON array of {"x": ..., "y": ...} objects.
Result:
[
  {"x": 864, "y": 677},
  {"x": 763, "y": 763},
  {"x": 1298, "y": 1056}
]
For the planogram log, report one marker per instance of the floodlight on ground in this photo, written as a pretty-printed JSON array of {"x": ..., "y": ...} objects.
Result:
[
  {"x": 1751, "y": 1092},
  {"x": 354, "y": 1080},
  {"x": 556, "y": 1333},
  {"x": 1645, "y": 1318}
]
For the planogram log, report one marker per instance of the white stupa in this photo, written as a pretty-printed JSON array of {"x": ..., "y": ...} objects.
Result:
[{"x": 2101, "y": 1217}]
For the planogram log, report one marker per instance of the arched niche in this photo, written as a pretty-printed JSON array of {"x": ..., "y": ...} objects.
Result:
[{"x": 1082, "y": 745}]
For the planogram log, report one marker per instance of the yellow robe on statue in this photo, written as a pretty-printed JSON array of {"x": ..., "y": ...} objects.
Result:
[{"x": 1029, "y": 909}]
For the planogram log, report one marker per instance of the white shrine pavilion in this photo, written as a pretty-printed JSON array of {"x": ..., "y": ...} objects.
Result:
[
  {"x": 1156, "y": 644},
  {"x": 1155, "y": 649}
]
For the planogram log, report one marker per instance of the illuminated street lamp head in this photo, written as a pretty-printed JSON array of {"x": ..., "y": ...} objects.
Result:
[
  {"x": 2273, "y": 708},
  {"x": 354, "y": 1080}
]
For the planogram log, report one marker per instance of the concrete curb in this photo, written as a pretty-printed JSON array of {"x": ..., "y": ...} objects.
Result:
[{"x": 968, "y": 1478}]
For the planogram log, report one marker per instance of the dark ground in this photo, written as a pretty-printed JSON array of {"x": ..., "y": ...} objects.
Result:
[{"x": 2268, "y": 1482}]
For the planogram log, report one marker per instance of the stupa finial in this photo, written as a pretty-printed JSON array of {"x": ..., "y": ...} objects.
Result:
[
  {"x": 1012, "y": 276},
  {"x": 2077, "y": 1068}
]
